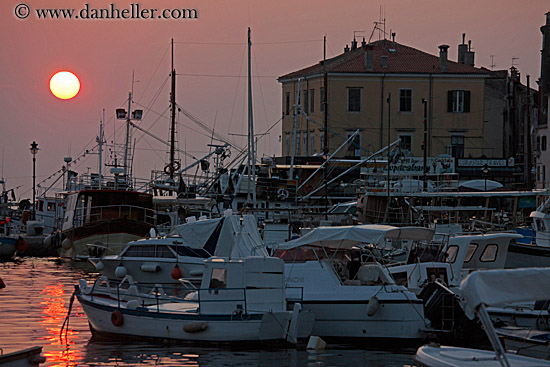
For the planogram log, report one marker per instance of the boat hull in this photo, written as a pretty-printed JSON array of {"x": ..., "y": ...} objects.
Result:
[
  {"x": 148, "y": 323},
  {"x": 8, "y": 246}
]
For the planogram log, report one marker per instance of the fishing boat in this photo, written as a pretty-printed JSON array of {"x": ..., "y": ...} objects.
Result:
[
  {"x": 181, "y": 254},
  {"x": 240, "y": 300},
  {"x": 489, "y": 288},
  {"x": 351, "y": 296}
]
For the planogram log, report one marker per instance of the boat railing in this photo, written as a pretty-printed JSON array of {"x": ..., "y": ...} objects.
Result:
[
  {"x": 154, "y": 296},
  {"x": 94, "y": 214}
]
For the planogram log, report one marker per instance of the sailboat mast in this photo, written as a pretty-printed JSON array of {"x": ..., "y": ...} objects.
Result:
[
  {"x": 127, "y": 144},
  {"x": 100, "y": 144},
  {"x": 173, "y": 118},
  {"x": 251, "y": 150}
]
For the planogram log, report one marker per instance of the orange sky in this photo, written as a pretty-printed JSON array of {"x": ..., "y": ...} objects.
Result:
[{"x": 211, "y": 53}]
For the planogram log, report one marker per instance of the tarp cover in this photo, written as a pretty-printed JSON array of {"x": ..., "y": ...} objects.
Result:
[
  {"x": 347, "y": 236},
  {"x": 500, "y": 287},
  {"x": 235, "y": 238}
]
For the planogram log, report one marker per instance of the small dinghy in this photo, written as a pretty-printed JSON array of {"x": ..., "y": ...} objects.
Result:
[
  {"x": 491, "y": 288},
  {"x": 239, "y": 300},
  {"x": 23, "y": 358}
]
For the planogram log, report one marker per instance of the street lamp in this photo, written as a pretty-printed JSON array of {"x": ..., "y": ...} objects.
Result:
[
  {"x": 34, "y": 150},
  {"x": 485, "y": 171}
]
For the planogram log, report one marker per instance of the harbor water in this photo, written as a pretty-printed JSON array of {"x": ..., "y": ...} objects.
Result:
[{"x": 35, "y": 303}]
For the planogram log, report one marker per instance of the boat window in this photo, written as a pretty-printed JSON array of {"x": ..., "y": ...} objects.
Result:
[
  {"x": 451, "y": 253},
  {"x": 141, "y": 251},
  {"x": 400, "y": 278},
  {"x": 218, "y": 278},
  {"x": 164, "y": 251},
  {"x": 490, "y": 253},
  {"x": 471, "y": 249}
]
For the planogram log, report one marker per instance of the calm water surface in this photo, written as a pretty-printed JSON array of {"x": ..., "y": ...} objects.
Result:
[{"x": 35, "y": 302}]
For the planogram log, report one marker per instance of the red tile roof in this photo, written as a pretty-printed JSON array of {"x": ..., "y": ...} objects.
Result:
[{"x": 401, "y": 59}]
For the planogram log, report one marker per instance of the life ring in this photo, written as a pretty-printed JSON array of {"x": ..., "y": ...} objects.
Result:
[
  {"x": 117, "y": 318},
  {"x": 170, "y": 168},
  {"x": 282, "y": 194}
]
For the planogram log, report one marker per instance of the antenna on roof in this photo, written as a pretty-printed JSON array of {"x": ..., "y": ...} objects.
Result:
[
  {"x": 514, "y": 60},
  {"x": 380, "y": 25},
  {"x": 493, "y": 62}
]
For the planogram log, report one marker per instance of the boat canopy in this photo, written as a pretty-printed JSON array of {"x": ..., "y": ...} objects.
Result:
[
  {"x": 499, "y": 287},
  {"x": 345, "y": 237},
  {"x": 230, "y": 236}
]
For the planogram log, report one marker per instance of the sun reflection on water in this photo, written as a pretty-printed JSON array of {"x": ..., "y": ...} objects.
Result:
[{"x": 54, "y": 312}]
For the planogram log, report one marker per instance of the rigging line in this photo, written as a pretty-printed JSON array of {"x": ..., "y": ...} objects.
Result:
[
  {"x": 154, "y": 72},
  {"x": 339, "y": 135},
  {"x": 261, "y": 94},
  {"x": 152, "y": 149},
  {"x": 228, "y": 76},
  {"x": 212, "y": 43},
  {"x": 236, "y": 91},
  {"x": 155, "y": 97}
]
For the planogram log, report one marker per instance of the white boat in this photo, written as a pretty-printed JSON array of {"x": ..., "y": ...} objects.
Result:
[
  {"x": 526, "y": 342},
  {"x": 23, "y": 358},
  {"x": 349, "y": 297},
  {"x": 181, "y": 254},
  {"x": 485, "y": 288},
  {"x": 239, "y": 300}
]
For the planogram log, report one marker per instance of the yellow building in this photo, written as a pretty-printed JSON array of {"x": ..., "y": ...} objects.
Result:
[{"x": 358, "y": 85}]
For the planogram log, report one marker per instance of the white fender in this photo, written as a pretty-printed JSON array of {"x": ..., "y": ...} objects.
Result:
[{"x": 373, "y": 306}]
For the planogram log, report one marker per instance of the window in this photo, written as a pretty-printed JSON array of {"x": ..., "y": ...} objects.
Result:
[
  {"x": 306, "y": 101},
  {"x": 457, "y": 146},
  {"x": 405, "y": 100},
  {"x": 287, "y": 103},
  {"x": 489, "y": 254},
  {"x": 452, "y": 251},
  {"x": 406, "y": 142},
  {"x": 354, "y": 99},
  {"x": 322, "y": 100},
  {"x": 354, "y": 146},
  {"x": 470, "y": 253},
  {"x": 321, "y": 140},
  {"x": 458, "y": 101},
  {"x": 543, "y": 144},
  {"x": 298, "y": 137},
  {"x": 304, "y": 142},
  {"x": 312, "y": 100},
  {"x": 218, "y": 278},
  {"x": 312, "y": 142}
]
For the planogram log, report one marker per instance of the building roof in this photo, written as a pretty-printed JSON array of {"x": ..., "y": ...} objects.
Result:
[{"x": 401, "y": 59}]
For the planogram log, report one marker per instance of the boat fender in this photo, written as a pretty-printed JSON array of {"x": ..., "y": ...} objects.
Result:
[
  {"x": 132, "y": 304},
  {"x": 176, "y": 272},
  {"x": 315, "y": 343},
  {"x": 150, "y": 268},
  {"x": 373, "y": 306},
  {"x": 100, "y": 266},
  {"x": 48, "y": 240},
  {"x": 121, "y": 271},
  {"x": 116, "y": 318},
  {"x": 195, "y": 327},
  {"x": 2, "y": 284},
  {"x": 67, "y": 244},
  {"x": 22, "y": 245}
]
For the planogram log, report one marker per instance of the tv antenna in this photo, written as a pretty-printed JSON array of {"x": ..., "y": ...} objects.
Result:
[
  {"x": 380, "y": 25},
  {"x": 493, "y": 62},
  {"x": 514, "y": 59}
]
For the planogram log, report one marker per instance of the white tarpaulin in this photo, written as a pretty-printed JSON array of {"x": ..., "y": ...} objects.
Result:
[
  {"x": 224, "y": 237},
  {"x": 348, "y": 236},
  {"x": 501, "y": 287}
]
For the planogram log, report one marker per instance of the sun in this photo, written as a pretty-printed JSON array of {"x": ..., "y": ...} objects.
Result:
[{"x": 64, "y": 85}]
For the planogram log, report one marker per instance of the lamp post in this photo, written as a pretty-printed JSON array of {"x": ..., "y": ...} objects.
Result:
[
  {"x": 485, "y": 171},
  {"x": 34, "y": 150}
]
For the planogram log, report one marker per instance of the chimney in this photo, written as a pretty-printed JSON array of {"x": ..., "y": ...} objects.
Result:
[
  {"x": 363, "y": 43},
  {"x": 514, "y": 73},
  {"x": 443, "y": 58},
  {"x": 469, "y": 55},
  {"x": 462, "y": 49},
  {"x": 393, "y": 37},
  {"x": 369, "y": 57},
  {"x": 346, "y": 49},
  {"x": 384, "y": 61},
  {"x": 354, "y": 44}
]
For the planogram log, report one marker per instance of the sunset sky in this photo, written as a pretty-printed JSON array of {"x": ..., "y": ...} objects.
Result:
[{"x": 210, "y": 56}]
